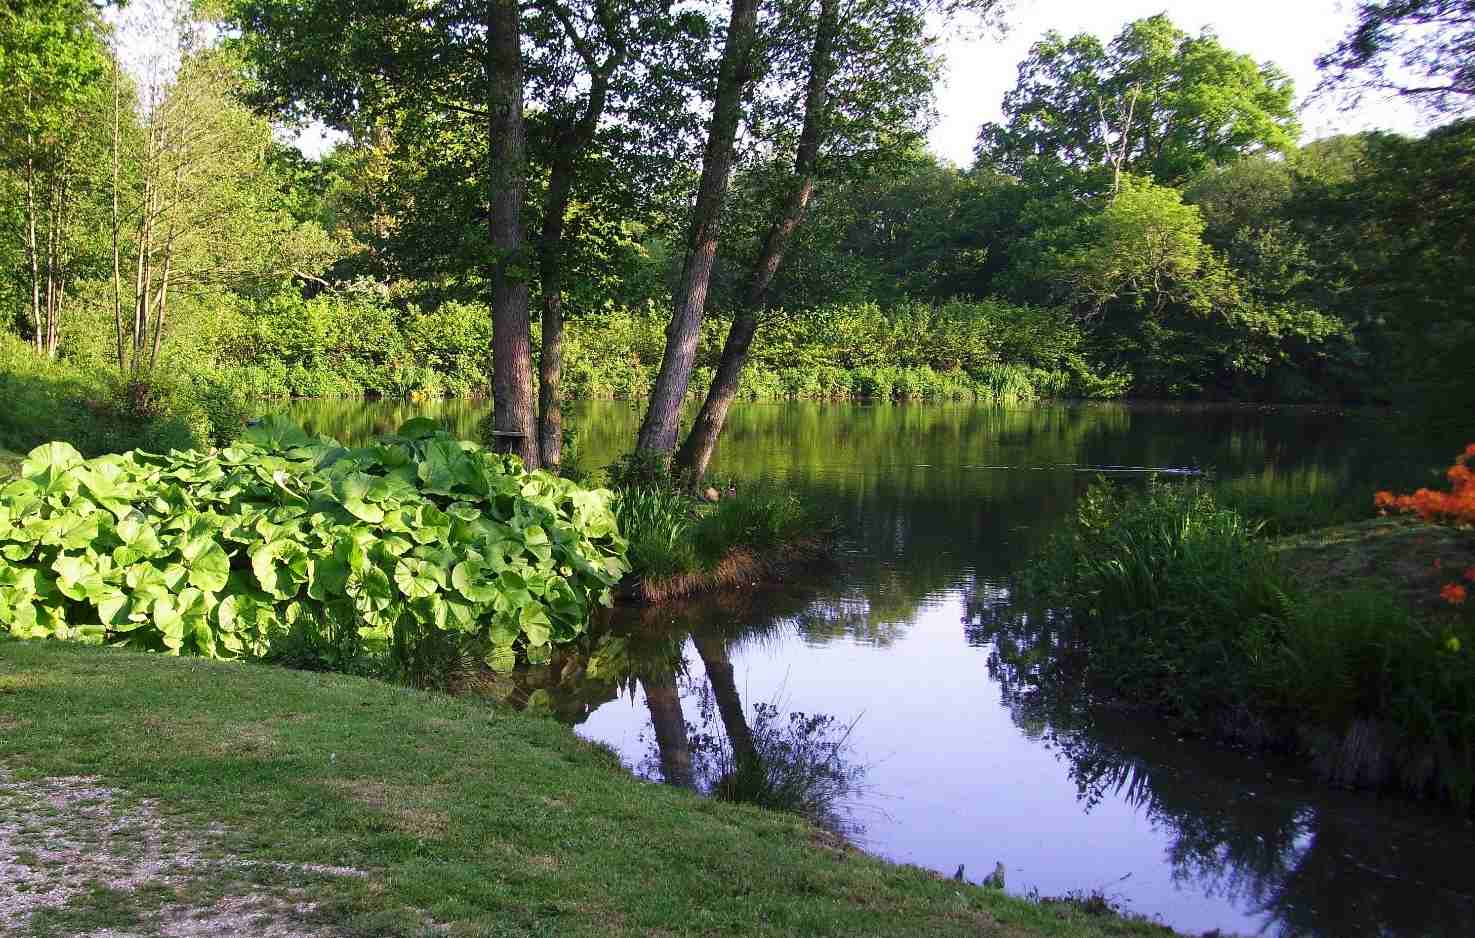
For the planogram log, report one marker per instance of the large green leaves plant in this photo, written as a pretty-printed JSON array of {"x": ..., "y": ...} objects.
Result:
[{"x": 214, "y": 553}]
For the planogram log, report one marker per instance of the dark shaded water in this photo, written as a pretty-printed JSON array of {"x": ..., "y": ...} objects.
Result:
[{"x": 965, "y": 763}]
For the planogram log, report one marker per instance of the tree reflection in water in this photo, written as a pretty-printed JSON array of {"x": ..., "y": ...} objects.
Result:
[{"x": 1243, "y": 828}]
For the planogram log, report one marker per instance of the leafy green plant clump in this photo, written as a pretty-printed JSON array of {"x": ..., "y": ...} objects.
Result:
[
  {"x": 1176, "y": 602},
  {"x": 416, "y": 536}
]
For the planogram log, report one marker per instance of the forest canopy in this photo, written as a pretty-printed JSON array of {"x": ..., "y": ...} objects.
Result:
[{"x": 692, "y": 205}]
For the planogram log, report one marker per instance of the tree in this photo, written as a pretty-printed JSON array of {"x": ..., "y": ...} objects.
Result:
[
  {"x": 601, "y": 142},
  {"x": 198, "y": 208},
  {"x": 1423, "y": 50},
  {"x": 352, "y": 63},
  {"x": 735, "y": 73},
  {"x": 53, "y": 104},
  {"x": 1156, "y": 102},
  {"x": 857, "y": 86}
]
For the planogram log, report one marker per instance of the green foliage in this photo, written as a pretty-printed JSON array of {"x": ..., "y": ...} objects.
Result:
[
  {"x": 761, "y": 517},
  {"x": 1419, "y": 49},
  {"x": 671, "y": 533},
  {"x": 657, "y": 522},
  {"x": 50, "y": 400},
  {"x": 215, "y": 553},
  {"x": 1156, "y": 102},
  {"x": 1178, "y": 604}
]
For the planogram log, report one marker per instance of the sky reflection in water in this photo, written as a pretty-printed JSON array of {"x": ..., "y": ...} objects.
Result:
[{"x": 966, "y": 761}]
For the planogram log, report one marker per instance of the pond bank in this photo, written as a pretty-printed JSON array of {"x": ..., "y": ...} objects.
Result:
[
  {"x": 442, "y": 815},
  {"x": 1346, "y": 647}
]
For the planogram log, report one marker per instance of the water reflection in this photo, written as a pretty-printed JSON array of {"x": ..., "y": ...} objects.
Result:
[
  {"x": 976, "y": 750},
  {"x": 1245, "y": 830}
]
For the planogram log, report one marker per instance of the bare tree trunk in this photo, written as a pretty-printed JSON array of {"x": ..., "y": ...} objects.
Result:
[
  {"x": 163, "y": 303},
  {"x": 143, "y": 276},
  {"x": 48, "y": 322},
  {"x": 116, "y": 221},
  {"x": 701, "y": 442},
  {"x": 550, "y": 363},
  {"x": 663, "y": 414},
  {"x": 31, "y": 247},
  {"x": 552, "y": 255},
  {"x": 512, "y": 356}
]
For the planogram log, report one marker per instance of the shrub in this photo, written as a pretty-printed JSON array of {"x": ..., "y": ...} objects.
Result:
[
  {"x": 216, "y": 554},
  {"x": 49, "y": 400}
]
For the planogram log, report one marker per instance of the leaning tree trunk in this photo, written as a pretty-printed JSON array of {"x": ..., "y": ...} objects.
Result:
[
  {"x": 512, "y": 354},
  {"x": 663, "y": 414},
  {"x": 701, "y": 443}
]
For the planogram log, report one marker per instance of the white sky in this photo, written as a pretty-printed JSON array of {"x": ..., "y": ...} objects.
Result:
[{"x": 1290, "y": 33}]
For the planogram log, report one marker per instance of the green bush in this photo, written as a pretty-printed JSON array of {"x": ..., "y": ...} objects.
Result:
[
  {"x": 1178, "y": 603},
  {"x": 657, "y": 522},
  {"x": 47, "y": 400},
  {"x": 217, "y": 554}
]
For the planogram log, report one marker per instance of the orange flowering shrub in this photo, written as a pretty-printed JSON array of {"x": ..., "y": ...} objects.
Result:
[{"x": 1457, "y": 506}]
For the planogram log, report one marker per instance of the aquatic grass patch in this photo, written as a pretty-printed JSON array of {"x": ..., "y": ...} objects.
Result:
[
  {"x": 1287, "y": 501},
  {"x": 681, "y": 545},
  {"x": 1165, "y": 598},
  {"x": 417, "y": 539},
  {"x": 657, "y": 522}
]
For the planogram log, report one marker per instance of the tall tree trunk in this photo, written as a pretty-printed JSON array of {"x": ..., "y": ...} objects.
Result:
[
  {"x": 571, "y": 146},
  {"x": 32, "y": 248},
  {"x": 663, "y": 414},
  {"x": 512, "y": 354},
  {"x": 162, "y": 307},
  {"x": 664, "y": 702},
  {"x": 701, "y": 442},
  {"x": 713, "y": 652},
  {"x": 116, "y": 220}
]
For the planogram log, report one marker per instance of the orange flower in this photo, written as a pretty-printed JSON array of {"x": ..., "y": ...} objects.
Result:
[
  {"x": 1453, "y": 593},
  {"x": 1384, "y": 500},
  {"x": 1470, "y": 574}
]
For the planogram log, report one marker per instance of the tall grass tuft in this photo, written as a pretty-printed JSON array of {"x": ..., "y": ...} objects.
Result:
[{"x": 657, "y": 522}]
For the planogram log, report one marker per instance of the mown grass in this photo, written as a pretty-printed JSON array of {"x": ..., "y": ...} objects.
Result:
[
  {"x": 1335, "y": 645},
  {"x": 467, "y": 820}
]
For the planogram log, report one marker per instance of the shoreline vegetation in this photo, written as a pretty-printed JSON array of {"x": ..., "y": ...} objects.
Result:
[
  {"x": 682, "y": 544},
  {"x": 1301, "y": 627}
]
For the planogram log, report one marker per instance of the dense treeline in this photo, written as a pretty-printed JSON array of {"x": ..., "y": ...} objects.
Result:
[{"x": 631, "y": 201}]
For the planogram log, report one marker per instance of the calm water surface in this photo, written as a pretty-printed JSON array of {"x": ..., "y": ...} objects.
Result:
[{"x": 966, "y": 764}]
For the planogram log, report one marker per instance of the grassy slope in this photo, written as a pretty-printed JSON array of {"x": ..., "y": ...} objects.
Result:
[
  {"x": 487, "y": 821},
  {"x": 1399, "y": 553}
]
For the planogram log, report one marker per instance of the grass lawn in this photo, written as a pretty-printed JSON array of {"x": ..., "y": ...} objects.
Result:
[{"x": 147, "y": 795}]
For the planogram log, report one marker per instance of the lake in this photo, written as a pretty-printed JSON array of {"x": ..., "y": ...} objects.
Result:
[{"x": 965, "y": 762}]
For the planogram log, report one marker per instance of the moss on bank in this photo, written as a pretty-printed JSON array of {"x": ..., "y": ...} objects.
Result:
[{"x": 418, "y": 813}]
